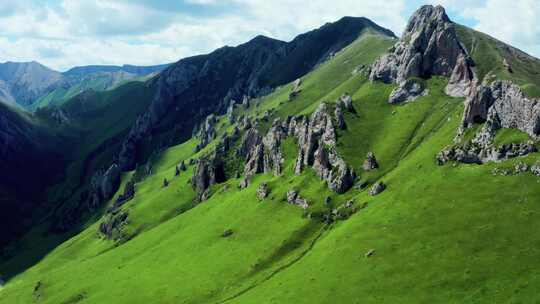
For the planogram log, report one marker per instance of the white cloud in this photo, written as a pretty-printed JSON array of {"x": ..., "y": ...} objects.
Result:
[
  {"x": 514, "y": 22},
  {"x": 84, "y": 32}
]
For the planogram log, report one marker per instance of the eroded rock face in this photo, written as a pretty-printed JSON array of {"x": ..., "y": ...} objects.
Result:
[
  {"x": 503, "y": 105},
  {"x": 126, "y": 196},
  {"x": 317, "y": 148},
  {"x": 429, "y": 46},
  {"x": 207, "y": 132},
  {"x": 112, "y": 226},
  {"x": 207, "y": 173},
  {"x": 477, "y": 154},
  {"x": 103, "y": 185}
]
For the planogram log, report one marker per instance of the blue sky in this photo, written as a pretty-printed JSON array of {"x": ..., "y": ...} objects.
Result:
[{"x": 66, "y": 33}]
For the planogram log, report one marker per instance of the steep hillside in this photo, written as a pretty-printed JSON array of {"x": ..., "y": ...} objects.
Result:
[
  {"x": 494, "y": 58},
  {"x": 194, "y": 87},
  {"x": 394, "y": 171},
  {"x": 31, "y": 161},
  {"x": 97, "y": 126}
]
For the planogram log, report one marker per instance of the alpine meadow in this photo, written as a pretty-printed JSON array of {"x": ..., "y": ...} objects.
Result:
[{"x": 349, "y": 164}]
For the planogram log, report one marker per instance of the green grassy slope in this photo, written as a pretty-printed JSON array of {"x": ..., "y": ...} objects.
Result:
[
  {"x": 449, "y": 234},
  {"x": 489, "y": 54},
  {"x": 98, "y": 82}
]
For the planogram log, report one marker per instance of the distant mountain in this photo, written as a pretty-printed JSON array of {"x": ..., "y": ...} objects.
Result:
[
  {"x": 23, "y": 82},
  {"x": 131, "y": 69},
  {"x": 32, "y": 85}
]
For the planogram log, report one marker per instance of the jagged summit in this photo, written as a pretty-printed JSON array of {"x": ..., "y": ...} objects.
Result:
[
  {"x": 429, "y": 46},
  {"x": 426, "y": 15}
]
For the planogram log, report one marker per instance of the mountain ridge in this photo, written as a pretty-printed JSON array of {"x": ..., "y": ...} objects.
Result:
[
  {"x": 295, "y": 188},
  {"x": 31, "y": 84}
]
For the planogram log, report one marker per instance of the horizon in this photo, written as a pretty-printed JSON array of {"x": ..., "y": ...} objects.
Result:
[{"x": 62, "y": 35}]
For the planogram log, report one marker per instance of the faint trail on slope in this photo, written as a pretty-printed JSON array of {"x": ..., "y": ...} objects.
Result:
[{"x": 281, "y": 268}]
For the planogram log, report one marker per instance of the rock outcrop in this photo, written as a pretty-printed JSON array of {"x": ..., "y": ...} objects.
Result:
[
  {"x": 103, "y": 185},
  {"x": 370, "y": 163},
  {"x": 190, "y": 89},
  {"x": 262, "y": 191},
  {"x": 317, "y": 148},
  {"x": 295, "y": 90},
  {"x": 263, "y": 154},
  {"x": 474, "y": 153},
  {"x": 408, "y": 90},
  {"x": 377, "y": 188},
  {"x": 294, "y": 198},
  {"x": 207, "y": 173},
  {"x": 503, "y": 105},
  {"x": 343, "y": 104},
  {"x": 129, "y": 193},
  {"x": 112, "y": 226},
  {"x": 206, "y": 132},
  {"x": 429, "y": 46}
]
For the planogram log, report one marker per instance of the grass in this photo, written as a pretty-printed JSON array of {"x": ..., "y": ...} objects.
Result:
[
  {"x": 509, "y": 136},
  {"x": 489, "y": 54},
  {"x": 438, "y": 234}
]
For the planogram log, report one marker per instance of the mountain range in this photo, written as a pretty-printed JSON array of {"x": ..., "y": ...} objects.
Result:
[
  {"x": 32, "y": 85},
  {"x": 345, "y": 165}
]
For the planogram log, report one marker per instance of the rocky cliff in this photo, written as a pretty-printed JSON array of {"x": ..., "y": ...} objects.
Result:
[{"x": 429, "y": 46}]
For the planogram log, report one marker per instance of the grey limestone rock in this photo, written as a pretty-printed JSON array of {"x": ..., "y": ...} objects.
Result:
[{"x": 429, "y": 46}]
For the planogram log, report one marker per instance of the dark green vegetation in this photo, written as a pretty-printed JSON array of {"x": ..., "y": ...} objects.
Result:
[
  {"x": 25, "y": 142},
  {"x": 437, "y": 234}
]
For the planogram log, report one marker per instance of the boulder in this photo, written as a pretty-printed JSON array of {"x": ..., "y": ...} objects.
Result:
[
  {"x": 535, "y": 169},
  {"x": 340, "y": 120},
  {"x": 377, "y": 188},
  {"x": 227, "y": 233},
  {"x": 294, "y": 199},
  {"x": 345, "y": 101},
  {"x": 370, "y": 163},
  {"x": 295, "y": 90},
  {"x": 262, "y": 191},
  {"x": 407, "y": 90}
]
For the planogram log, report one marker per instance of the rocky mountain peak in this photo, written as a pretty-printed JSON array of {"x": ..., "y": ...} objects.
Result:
[
  {"x": 426, "y": 15},
  {"x": 429, "y": 47}
]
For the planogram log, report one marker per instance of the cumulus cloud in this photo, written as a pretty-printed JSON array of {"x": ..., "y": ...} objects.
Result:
[{"x": 64, "y": 33}]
